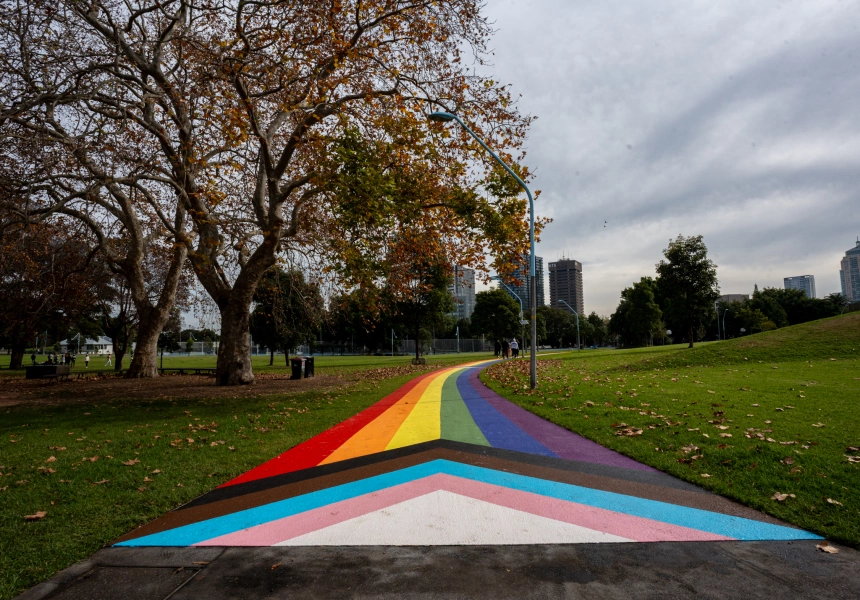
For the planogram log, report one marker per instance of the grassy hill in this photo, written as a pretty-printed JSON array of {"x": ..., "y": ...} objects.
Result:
[{"x": 837, "y": 337}]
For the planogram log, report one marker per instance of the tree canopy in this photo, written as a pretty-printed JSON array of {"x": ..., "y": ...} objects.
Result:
[
  {"x": 496, "y": 315},
  {"x": 688, "y": 283},
  {"x": 220, "y": 133}
]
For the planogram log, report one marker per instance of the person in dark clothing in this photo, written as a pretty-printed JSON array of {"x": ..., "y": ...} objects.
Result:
[
  {"x": 498, "y": 348},
  {"x": 33, "y": 357},
  {"x": 506, "y": 348}
]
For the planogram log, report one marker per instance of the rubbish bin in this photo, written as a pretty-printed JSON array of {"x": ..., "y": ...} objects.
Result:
[
  {"x": 309, "y": 366},
  {"x": 297, "y": 365}
]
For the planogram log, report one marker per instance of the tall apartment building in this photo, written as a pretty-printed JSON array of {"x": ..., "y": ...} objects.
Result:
[
  {"x": 565, "y": 283},
  {"x": 463, "y": 289},
  {"x": 523, "y": 290},
  {"x": 726, "y": 298},
  {"x": 849, "y": 274},
  {"x": 801, "y": 282}
]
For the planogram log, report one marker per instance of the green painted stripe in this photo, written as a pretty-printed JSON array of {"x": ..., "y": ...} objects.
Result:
[{"x": 457, "y": 422}]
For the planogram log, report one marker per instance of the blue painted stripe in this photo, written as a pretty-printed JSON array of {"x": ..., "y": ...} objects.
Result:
[
  {"x": 500, "y": 431},
  {"x": 726, "y": 525}
]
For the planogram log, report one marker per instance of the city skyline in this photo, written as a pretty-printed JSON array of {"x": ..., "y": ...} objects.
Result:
[{"x": 730, "y": 120}]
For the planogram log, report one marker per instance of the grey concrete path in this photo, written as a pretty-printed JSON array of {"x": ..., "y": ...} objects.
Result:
[{"x": 665, "y": 570}]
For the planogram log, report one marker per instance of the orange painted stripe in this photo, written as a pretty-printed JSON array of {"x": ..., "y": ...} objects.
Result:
[{"x": 374, "y": 436}]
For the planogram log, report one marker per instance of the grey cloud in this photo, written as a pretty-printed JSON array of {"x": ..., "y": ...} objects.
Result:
[{"x": 735, "y": 120}]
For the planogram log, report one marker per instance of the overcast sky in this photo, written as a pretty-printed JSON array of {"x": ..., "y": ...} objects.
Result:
[{"x": 733, "y": 119}]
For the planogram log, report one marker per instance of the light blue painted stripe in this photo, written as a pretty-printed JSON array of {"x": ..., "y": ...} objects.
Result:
[
  {"x": 194, "y": 533},
  {"x": 725, "y": 525},
  {"x": 684, "y": 516}
]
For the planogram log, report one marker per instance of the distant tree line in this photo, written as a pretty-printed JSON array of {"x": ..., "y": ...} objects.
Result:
[{"x": 683, "y": 299}]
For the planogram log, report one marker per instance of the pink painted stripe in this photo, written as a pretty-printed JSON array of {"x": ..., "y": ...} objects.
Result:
[
  {"x": 623, "y": 525},
  {"x": 627, "y": 526},
  {"x": 269, "y": 534}
]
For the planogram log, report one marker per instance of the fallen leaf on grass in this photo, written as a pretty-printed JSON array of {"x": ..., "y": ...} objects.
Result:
[
  {"x": 704, "y": 474},
  {"x": 725, "y": 435},
  {"x": 39, "y": 515},
  {"x": 156, "y": 472},
  {"x": 781, "y": 497},
  {"x": 147, "y": 479},
  {"x": 819, "y": 424},
  {"x": 231, "y": 448},
  {"x": 51, "y": 459},
  {"x": 787, "y": 461},
  {"x": 132, "y": 462},
  {"x": 48, "y": 470},
  {"x": 100, "y": 482},
  {"x": 826, "y": 547},
  {"x": 92, "y": 458},
  {"x": 832, "y": 501}
]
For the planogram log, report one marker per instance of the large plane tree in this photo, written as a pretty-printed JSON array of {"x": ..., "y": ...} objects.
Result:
[{"x": 214, "y": 125}]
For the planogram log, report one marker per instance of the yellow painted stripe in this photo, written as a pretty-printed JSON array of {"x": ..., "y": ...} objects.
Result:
[
  {"x": 424, "y": 423},
  {"x": 375, "y": 436}
]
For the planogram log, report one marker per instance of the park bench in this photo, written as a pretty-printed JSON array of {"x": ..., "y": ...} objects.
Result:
[{"x": 52, "y": 372}]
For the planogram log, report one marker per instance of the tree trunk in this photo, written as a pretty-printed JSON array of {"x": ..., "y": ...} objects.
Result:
[
  {"x": 145, "y": 361},
  {"x": 234, "y": 350},
  {"x": 19, "y": 346},
  {"x": 691, "y": 336},
  {"x": 119, "y": 353},
  {"x": 271, "y": 357}
]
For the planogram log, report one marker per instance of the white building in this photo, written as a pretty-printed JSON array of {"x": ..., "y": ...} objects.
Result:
[
  {"x": 103, "y": 345},
  {"x": 801, "y": 282},
  {"x": 849, "y": 274},
  {"x": 463, "y": 290}
]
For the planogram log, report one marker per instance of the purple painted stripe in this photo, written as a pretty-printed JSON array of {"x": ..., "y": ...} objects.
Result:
[
  {"x": 498, "y": 430},
  {"x": 560, "y": 441}
]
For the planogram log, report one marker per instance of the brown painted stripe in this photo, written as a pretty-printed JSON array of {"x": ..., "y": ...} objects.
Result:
[
  {"x": 652, "y": 477},
  {"x": 703, "y": 501}
]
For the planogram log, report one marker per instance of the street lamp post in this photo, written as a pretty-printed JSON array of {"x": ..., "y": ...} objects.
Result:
[
  {"x": 444, "y": 117},
  {"x": 717, "y": 310},
  {"x": 499, "y": 279},
  {"x": 578, "y": 345},
  {"x": 724, "y": 322}
]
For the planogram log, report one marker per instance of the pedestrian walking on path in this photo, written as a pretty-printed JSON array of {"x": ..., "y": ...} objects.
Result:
[
  {"x": 506, "y": 348},
  {"x": 498, "y": 348},
  {"x": 108, "y": 363},
  {"x": 33, "y": 357},
  {"x": 515, "y": 348},
  {"x": 87, "y": 360}
]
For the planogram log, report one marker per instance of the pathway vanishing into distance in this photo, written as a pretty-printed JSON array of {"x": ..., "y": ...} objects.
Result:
[
  {"x": 446, "y": 461},
  {"x": 445, "y": 489}
]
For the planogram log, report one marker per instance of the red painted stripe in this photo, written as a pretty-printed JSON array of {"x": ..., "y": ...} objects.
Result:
[{"x": 313, "y": 451}]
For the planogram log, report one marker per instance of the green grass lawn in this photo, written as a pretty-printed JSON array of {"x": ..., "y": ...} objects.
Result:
[
  {"x": 325, "y": 363},
  {"x": 184, "y": 448},
  {"x": 773, "y": 413}
]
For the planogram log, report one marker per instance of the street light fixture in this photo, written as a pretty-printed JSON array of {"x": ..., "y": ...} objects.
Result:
[
  {"x": 444, "y": 117},
  {"x": 724, "y": 323},
  {"x": 578, "y": 345}
]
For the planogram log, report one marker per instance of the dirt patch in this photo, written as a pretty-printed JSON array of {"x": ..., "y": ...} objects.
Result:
[{"x": 109, "y": 387}]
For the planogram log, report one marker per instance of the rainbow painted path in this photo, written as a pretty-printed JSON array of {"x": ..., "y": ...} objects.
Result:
[{"x": 446, "y": 461}]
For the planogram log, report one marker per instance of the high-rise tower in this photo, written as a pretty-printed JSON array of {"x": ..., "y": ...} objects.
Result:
[
  {"x": 565, "y": 283},
  {"x": 849, "y": 274}
]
